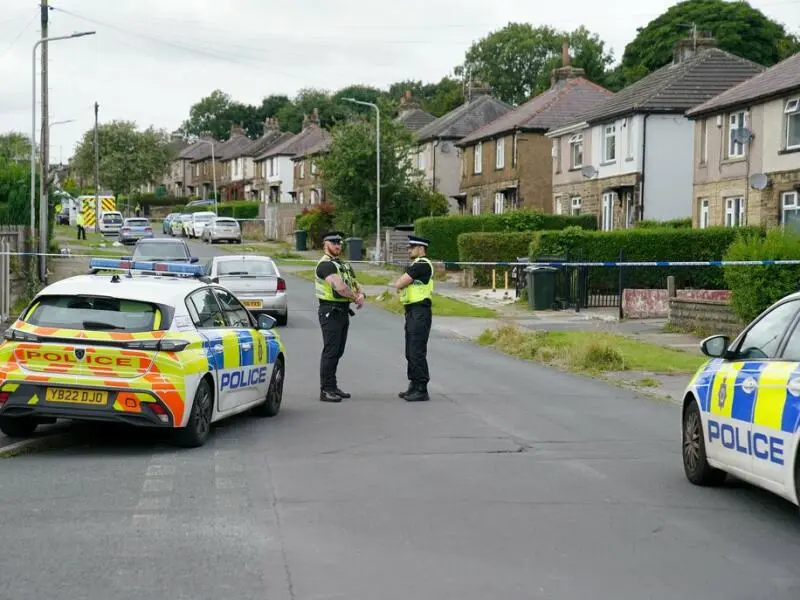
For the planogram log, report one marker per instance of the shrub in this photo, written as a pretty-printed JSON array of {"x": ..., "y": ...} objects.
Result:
[
  {"x": 238, "y": 210},
  {"x": 755, "y": 287},
  {"x": 443, "y": 232},
  {"x": 644, "y": 245},
  {"x": 672, "y": 224},
  {"x": 316, "y": 221},
  {"x": 493, "y": 247}
]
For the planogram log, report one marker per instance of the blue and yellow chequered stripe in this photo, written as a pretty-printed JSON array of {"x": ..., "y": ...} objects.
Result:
[
  {"x": 770, "y": 404},
  {"x": 234, "y": 352}
]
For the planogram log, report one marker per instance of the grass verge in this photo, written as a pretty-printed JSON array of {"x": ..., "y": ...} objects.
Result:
[
  {"x": 442, "y": 307},
  {"x": 364, "y": 278},
  {"x": 590, "y": 352}
]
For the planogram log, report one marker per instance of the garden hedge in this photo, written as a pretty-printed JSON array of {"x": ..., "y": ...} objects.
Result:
[
  {"x": 237, "y": 210},
  {"x": 666, "y": 244},
  {"x": 493, "y": 247},
  {"x": 443, "y": 232}
]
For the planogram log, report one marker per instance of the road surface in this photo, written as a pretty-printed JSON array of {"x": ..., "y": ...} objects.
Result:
[{"x": 515, "y": 481}]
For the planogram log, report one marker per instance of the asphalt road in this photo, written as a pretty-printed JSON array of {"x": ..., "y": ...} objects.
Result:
[{"x": 515, "y": 481}]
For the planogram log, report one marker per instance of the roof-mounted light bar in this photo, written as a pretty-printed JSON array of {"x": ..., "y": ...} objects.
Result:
[{"x": 168, "y": 268}]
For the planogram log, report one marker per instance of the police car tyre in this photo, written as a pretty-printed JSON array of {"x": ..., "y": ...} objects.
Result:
[
  {"x": 198, "y": 428},
  {"x": 19, "y": 427},
  {"x": 272, "y": 405},
  {"x": 695, "y": 465}
]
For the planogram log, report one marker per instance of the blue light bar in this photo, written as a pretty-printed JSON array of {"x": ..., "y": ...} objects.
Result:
[{"x": 170, "y": 268}]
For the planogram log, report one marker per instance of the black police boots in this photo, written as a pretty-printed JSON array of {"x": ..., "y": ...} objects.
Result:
[
  {"x": 418, "y": 393},
  {"x": 408, "y": 391},
  {"x": 329, "y": 396}
]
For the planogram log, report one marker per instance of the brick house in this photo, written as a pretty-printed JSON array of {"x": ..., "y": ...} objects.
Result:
[
  {"x": 231, "y": 185},
  {"x": 202, "y": 165},
  {"x": 506, "y": 164},
  {"x": 630, "y": 158},
  {"x": 437, "y": 157},
  {"x": 747, "y": 152},
  {"x": 307, "y": 181}
]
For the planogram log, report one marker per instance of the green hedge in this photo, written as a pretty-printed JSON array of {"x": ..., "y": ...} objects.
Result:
[
  {"x": 493, "y": 247},
  {"x": 443, "y": 232},
  {"x": 645, "y": 245},
  {"x": 237, "y": 210},
  {"x": 672, "y": 224}
]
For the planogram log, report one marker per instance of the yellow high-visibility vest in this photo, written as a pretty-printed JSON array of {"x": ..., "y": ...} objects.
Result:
[{"x": 418, "y": 291}]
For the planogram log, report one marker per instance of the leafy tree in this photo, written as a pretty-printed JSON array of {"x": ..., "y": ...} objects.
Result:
[
  {"x": 210, "y": 116},
  {"x": 737, "y": 27},
  {"x": 435, "y": 98},
  {"x": 128, "y": 157},
  {"x": 517, "y": 60},
  {"x": 14, "y": 145},
  {"x": 348, "y": 171}
]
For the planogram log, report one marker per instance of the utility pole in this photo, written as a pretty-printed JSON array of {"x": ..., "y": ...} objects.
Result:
[
  {"x": 44, "y": 152},
  {"x": 96, "y": 172}
]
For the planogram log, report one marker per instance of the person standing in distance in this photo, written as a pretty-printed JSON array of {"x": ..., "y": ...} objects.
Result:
[
  {"x": 336, "y": 287},
  {"x": 416, "y": 291}
]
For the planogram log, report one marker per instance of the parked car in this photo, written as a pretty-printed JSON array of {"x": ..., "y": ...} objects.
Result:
[
  {"x": 166, "y": 226},
  {"x": 111, "y": 223},
  {"x": 177, "y": 224},
  {"x": 134, "y": 229},
  {"x": 198, "y": 222},
  {"x": 222, "y": 229},
  {"x": 163, "y": 250},
  {"x": 255, "y": 280}
]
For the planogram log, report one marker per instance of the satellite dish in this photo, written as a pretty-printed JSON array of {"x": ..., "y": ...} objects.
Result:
[
  {"x": 588, "y": 171},
  {"x": 742, "y": 135},
  {"x": 758, "y": 181}
]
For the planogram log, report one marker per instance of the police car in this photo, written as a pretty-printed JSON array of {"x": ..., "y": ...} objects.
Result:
[
  {"x": 152, "y": 344},
  {"x": 741, "y": 410}
]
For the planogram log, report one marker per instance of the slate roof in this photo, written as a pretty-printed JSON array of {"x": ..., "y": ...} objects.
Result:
[
  {"x": 465, "y": 119},
  {"x": 317, "y": 148},
  {"x": 233, "y": 147},
  {"x": 308, "y": 138},
  {"x": 266, "y": 141},
  {"x": 781, "y": 78},
  {"x": 676, "y": 87},
  {"x": 200, "y": 151},
  {"x": 564, "y": 101},
  {"x": 415, "y": 119}
]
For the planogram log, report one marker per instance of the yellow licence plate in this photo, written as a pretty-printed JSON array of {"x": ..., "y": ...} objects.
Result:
[
  {"x": 252, "y": 303},
  {"x": 73, "y": 396}
]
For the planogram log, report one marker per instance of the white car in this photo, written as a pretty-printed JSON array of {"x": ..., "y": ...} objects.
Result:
[
  {"x": 741, "y": 411},
  {"x": 152, "y": 349},
  {"x": 110, "y": 222},
  {"x": 198, "y": 223},
  {"x": 221, "y": 229}
]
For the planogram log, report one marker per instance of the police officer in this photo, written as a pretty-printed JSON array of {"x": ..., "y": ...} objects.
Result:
[
  {"x": 416, "y": 290},
  {"x": 336, "y": 287},
  {"x": 79, "y": 221}
]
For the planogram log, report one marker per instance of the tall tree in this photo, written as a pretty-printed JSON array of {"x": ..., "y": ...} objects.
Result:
[
  {"x": 517, "y": 60},
  {"x": 210, "y": 116},
  {"x": 128, "y": 157},
  {"x": 738, "y": 28},
  {"x": 14, "y": 146}
]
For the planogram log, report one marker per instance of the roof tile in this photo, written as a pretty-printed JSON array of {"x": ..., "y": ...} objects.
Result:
[{"x": 465, "y": 119}]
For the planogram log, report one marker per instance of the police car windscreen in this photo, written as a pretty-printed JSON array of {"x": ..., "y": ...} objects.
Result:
[
  {"x": 167, "y": 251},
  {"x": 245, "y": 268},
  {"x": 93, "y": 314}
]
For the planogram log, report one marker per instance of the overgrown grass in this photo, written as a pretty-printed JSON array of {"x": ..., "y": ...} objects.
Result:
[{"x": 589, "y": 352}]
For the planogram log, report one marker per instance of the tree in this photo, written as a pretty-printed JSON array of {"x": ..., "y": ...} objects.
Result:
[
  {"x": 348, "y": 172},
  {"x": 517, "y": 60},
  {"x": 210, "y": 116},
  {"x": 128, "y": 157},
  {"x": 435, "y": 98},
  {"x": 737, "y": 27},
  {"x": 14, "y": 146}
]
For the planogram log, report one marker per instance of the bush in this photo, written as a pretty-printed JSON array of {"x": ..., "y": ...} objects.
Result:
[
  {"x": 443, "y": 232},
  {"x": 238, "y": 210},
  {"x": 672, "y": 224},
  {"x": 644, "y": 245},
  {"x": 316, "y": 221},
  {"x": 754, "y": 287},
  {"x": 493, "y": 247}
]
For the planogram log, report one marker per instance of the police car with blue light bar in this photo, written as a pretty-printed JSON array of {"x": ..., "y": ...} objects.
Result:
[
  {"x": 151, "y": 344},
  {"x": 741, "y": 410}
]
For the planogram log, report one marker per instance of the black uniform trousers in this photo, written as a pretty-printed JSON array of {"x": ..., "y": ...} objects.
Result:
[
  {"x": 334, "y": 319},
  {"x": 418, "y": 328}
]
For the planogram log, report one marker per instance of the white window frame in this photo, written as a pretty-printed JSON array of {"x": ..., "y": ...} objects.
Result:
[
  {"x": 792, "y": 112},
  {"x": 421, "y": 160},
  {"x": 575, "y": 151},
  {"x": 300, "y": 197},
  {"x": 794, "y": 206},
  {"x": 608, "y": 211},
  {"x": 610, "y": 135},
  {"x": 477, "y": 167},
  {"x": 500, "y": 153},
  {"x": 704, "y": 141},
  {"x": 575, "y": 206},
  {"x": 302, "y": 169},
  {"x": 499, "y": 203},
  {"x": 559, "y": 208},
  {"x": 704, "y": 213},
  {"x": 735, "y": 217},
  {"x": 476, "y": 205},
  {"x": 736, "y": 120},
  {"x": 313, "y": 167},
  {"x": 629, "y": 141}
]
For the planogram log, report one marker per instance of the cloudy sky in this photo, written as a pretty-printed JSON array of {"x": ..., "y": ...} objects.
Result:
[{"x": 150, "y": 60}]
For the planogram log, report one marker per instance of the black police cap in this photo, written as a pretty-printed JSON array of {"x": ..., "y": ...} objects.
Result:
[
  {"x": 414, "y": 240},
  {"x": 332, "y": 236}
]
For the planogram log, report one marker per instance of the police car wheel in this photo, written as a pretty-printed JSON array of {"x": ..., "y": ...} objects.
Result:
[
  {"x": 272, "y": 405},
  {"x": 198, "y": 428},
  {"x": 18, "y": 427},
  {"x": 695, "y": 465}
]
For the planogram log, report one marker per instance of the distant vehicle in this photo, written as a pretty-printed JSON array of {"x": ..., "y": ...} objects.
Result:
[
  {"x": 255, "y": 281},
  {"x": 162, "y": 250},
  {"x": 176, "y": 225},
  {"x": 221, "y": 229},
  {"x": 111, "y": 223},
  {"x": 198, "y": 222},
  {"x": 134, "y": 229},
  {"x": 166, "y": 226},
  {"x": 206, "y": 202},
  {"x": 88, "y": 206}
]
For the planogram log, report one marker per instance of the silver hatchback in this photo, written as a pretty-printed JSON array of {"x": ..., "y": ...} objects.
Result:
[
  {"x": 222, "y": 229},
  {"x": 255, "y": 281}
]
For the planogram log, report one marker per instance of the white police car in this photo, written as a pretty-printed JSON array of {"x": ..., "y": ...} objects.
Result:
[{"x": 741, "y": 410}]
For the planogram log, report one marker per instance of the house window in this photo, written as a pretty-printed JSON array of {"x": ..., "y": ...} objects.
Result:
[
  {"x": 478, "y": 158},
  {"x": 558, "y": 207},
  {"x": 734, "y": 211},
  {"x": 300, "y": 197},
  {"x": 629, "y": 137},
  {"x": 736, "y": 121},
  {"x": 476, "y": 205},
  {"x": 500, "y": 153},
  {"x": 302, "y": 169},
  {"x": 499, "y": 203},
  {"x": 421, "y": 160},
  {"x": 514, "y": 151},
  {"x": 790, "y": 207},
  {"x": 609, "y": 143},
  {"x": 313, "y": 168},
  {"x": 576, "y": 151},
  {"x": 792, "y": 112},
  {"x": 608, "y": 211},
  {"x": 556, "y": 153},
  {"x": 236, "y": 168},
  {"x": 576, "y": 206},
  {"x": 703, "y": 213},
  {"x": 314, "y": 196},
  {"x": 629, "y": 212},
  {"x": 703, "y": 141}
]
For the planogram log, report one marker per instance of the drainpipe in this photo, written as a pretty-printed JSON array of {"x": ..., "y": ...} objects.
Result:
[{"x": 644, "y": 158}]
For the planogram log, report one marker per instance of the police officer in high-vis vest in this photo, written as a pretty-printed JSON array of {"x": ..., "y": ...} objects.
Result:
[
  {"x": 79, "y": 220},
  {"x": 336, "y": 287},
  {"x": 416, "y": 290}
]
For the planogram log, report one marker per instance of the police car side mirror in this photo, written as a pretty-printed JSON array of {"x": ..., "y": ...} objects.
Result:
[
  {"x": 193, "y": 259},
  {"x": 266, "y": 322},
  {"x": 715, "y": 346}
]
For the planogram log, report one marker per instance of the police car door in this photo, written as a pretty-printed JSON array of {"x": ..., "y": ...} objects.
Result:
[
  {"x": 745, "y": 391},
  {"x": 249, "y": 381}
]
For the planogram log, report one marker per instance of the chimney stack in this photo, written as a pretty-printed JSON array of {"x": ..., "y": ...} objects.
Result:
[
  {"x": 566, "y": 71},
  {"x": 408, "y": 103},
  {"x": 565, "y": 53},
  {"x": 476, "y": 89},
  {"x": 689, "y": 47},
  {"x": 270, "y": 124}
]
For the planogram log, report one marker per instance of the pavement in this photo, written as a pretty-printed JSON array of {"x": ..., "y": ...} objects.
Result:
[{"x": 515, "y": 481}]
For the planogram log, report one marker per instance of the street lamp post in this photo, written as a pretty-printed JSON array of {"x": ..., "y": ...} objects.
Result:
[
  {"x": 42, "y": 211},
  {"x": 213, "y": 172},
  {"x": 378, "y": 168}
]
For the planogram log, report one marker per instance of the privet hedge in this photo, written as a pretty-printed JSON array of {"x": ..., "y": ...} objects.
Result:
[
  {"x": 645, "y": 245},
  {"x": 443, "y": 232},
  {"x": 237, "y": 210},
  {"x": 493, "y": 247}
]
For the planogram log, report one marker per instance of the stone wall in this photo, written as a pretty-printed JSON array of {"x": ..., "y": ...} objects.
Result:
[
  {"x": 710, "y": 315},
  {"x": 654, "y": 304}
]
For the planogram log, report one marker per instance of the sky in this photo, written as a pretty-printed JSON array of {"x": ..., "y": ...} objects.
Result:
[{"x": 150, "y": 60}]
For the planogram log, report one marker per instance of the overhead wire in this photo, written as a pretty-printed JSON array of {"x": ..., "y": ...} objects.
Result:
[{"x": 19, "y": 35}]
